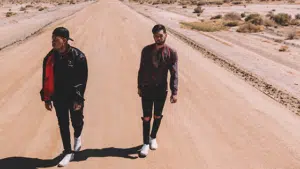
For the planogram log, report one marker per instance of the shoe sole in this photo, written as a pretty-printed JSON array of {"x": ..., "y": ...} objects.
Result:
[
  {"x": 142, "y": 155},
  {"x": 153, "y": 148}
]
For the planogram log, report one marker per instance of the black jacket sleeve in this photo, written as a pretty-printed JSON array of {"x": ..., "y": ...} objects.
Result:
[
  {"x": 81, "y": 77},
  {"x": 174, "y": 72},
  {"x": 141, "y": 69}
]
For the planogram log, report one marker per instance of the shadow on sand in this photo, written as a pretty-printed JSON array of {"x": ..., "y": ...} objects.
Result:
[{"x": 35, "y": 163}]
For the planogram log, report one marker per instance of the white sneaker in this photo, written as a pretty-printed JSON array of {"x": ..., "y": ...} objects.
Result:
[
  {"x": 144, "y": 151},
  {"x": 65, "y": 161},
  {"x": 153, "y": 143},
  {"x": 77, "y": 144}
]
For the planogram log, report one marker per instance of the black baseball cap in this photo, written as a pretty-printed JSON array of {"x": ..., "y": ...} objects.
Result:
[{"x": 62, "y": 32}]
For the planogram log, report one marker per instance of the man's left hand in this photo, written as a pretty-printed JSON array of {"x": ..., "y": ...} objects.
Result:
[
  {"x": 77, "y": 106},
  {"x": 173, "y": 99}
]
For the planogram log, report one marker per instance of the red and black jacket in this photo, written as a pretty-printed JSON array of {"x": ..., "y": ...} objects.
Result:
[{"x": 64, "y": 76}]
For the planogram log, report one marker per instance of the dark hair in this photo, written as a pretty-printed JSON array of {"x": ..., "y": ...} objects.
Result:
[{"x": 158, "y": 28}]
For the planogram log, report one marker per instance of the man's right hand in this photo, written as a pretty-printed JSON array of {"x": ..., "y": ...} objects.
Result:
[{"x": 48, "y": 106}]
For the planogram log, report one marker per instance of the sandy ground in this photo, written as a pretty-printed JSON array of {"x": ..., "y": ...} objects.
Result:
[
  {"x": 253, "y": 53},
  {"x": 219, "y": 121},
  {"x": 33, "y": 21}
]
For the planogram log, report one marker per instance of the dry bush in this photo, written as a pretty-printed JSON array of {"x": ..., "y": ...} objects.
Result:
[
  {"x": 297, "y": 16},
  {"x": 198, "y": 10},
  {"x": 236, "y": 2},
  {"x": 295, "y": 22},
  {"x": 182, "y": 2},
  {"x": 231, "y": 24},
  {"x": 249, "y": 28},
  {"x": 28, "y": 6},
  {"x": 23, "y": 8},
  {"x": 201, "y": 3},
  {"x": 216, "y": 17},
  {"x": 215, "y": 2},
  {"x": 291, "y": 35},
  {"x": 193, "y": 2},
  {"x": 282, "y": 19},
  {"x": 255, "y": 19},
  {"x": 243, "y": 15},
  {"x": 42, "y": 8},
  {"x": 184, "y": 6},
  {"x": 270, "y": 15},
  {"x": 9, "y": 14},
  {"x": 269, "y": 22},
  {"x": 206, "y": 26},
  {"x": 232, "y": 16},
  {"x": 278, "y": 40},
  {"x": 283, "y": 48}
]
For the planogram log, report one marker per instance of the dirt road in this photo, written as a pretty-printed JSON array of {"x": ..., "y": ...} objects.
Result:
[{"x": 218, "y": 122}]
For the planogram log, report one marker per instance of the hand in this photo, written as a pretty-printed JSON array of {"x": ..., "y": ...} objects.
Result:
[
  {"x": 77, "y": 106},
  {"x": 140, "y": 92},
  {"x": 173, "y": 99},
  {"x": 48, "y": 106}
]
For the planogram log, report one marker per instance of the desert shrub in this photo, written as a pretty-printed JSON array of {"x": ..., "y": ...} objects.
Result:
[
  {"x": 236, "y": 2},
  {"x": 216, "y": 17},
  {"x": 9, "y": 14},
  {"x": 199, "y": 9},
  {"x": 249, "y": 28},
  {"x": 201, "y": 3},
  {"x": 255, "y": 19},
  {"x": 232, "y": 16},
  {"x": 270, "y": 15},
  {"x": 283, "y": 48},
  {"x": 282, "y": 19},
  {"x": 295, "y": 22},
  {"x": 231, "y": 24},
  {"x": 297, "y": 16},
  {"x": 243, "y": 15},
  {"x": 269, "y": 22},
  {"x": 291, "y": 35},
  {"x": 205, "y": 26},
  {"x": 23, "y": 8},
  {"x": 42, "y": 8}
]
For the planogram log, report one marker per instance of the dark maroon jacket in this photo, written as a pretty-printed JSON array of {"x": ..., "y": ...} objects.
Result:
[{"x": 153, "y": 71}]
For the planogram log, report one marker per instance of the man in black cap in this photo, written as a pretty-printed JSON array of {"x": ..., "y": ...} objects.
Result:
[
  {"x": 157, "y": 60},
  {"x": 65, "y": 74}
]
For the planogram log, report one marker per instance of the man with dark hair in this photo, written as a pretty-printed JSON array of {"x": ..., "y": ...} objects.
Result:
[
  {"x": 65, "y": 74},
  {"x": 156, "y": 60}
]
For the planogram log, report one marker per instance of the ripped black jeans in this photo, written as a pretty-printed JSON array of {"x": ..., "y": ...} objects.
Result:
[
  {"x": 152, "y": 97},
  {"x": 64, "y": 109}
]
